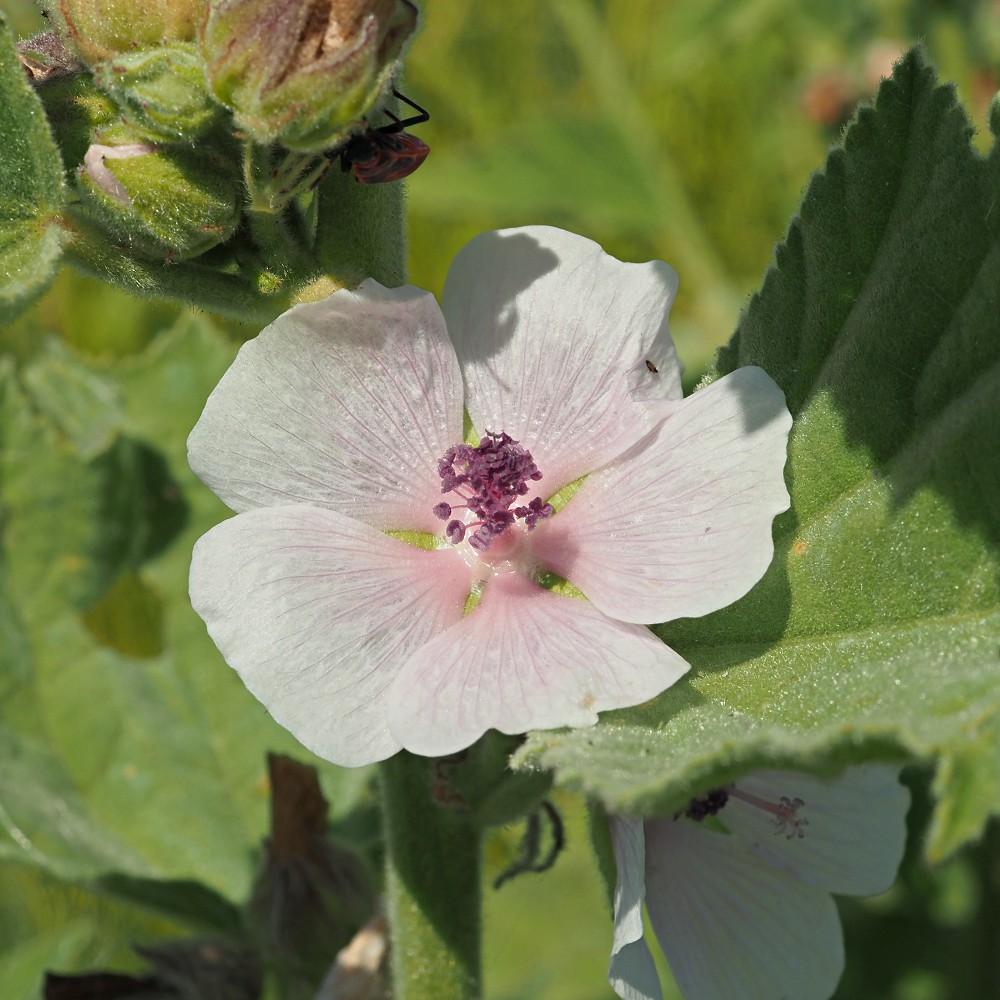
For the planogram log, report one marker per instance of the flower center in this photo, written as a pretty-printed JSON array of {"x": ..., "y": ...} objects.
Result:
[
  {"x": 785, "y": 810},
  {"x": 488, "y": 479}
]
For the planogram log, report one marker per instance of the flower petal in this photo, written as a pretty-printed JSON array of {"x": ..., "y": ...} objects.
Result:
[
  {"x": 553, "y": 336},
  {"x": 346, "y": 403},
  {"x": 732, "y": 926},
  {"x": 856, "y": 830},
  {"x": 524, "y": 658},
  {"x": 681, "y": 525},
  {"x": 632, "y": 973},
  {"x": 317, "y": 612}
]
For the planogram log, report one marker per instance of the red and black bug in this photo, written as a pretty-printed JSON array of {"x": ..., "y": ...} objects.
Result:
[{"x": 386, "y": 153}]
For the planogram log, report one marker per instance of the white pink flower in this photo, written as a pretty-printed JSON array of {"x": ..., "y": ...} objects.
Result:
[
  {"x": 744, "y": 910},
  {"x": 368, "y": 609}
]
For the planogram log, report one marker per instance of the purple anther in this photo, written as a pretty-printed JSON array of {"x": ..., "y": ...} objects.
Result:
[
  {"x": 490, "y": 478},
  {"x": 443, "y": 511},
  {"x": 454, "y": 532}
]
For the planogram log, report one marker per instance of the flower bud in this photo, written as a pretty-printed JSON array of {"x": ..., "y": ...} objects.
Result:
[
  {"x": 165, "y": 201},
  {"x": 162, "y": 92},
  {"x": 97, "y": 29},
  {"x": 302, "y": 72}
]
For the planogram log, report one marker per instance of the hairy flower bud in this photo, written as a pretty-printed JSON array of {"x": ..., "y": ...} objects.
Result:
[
  {"x": 162, "y": 92},
  {"x": 165, "y": 201},
  {"x": 98, "y": 29},
  {"x": 302, "y": 72}
]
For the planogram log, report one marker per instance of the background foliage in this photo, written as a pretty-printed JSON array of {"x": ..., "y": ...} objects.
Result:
[{"x": 675, "y": 130}]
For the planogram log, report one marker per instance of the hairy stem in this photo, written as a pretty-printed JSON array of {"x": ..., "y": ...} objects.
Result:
[{"x": 432, "y": 886}]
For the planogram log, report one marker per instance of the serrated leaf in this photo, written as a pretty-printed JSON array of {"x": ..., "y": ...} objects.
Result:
[
  {"x": 876, "y": 632},
  {"x": 33, "y": 190}
]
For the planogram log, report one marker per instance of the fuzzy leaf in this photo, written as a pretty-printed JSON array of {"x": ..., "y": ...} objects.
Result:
[
  {"x": 33, "y": 190},
  {"x": 876, "y": 631}
]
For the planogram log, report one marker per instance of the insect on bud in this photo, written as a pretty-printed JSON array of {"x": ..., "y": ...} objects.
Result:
[
  {"x": 303, "y": 72},
  {"x": 98, "y": 29}
]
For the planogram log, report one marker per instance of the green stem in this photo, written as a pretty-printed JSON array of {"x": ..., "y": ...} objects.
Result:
[
  {"x": 432, "y": 886},
  {"x": 361, "y": 229},
  {"x": 188, "y": 282}
]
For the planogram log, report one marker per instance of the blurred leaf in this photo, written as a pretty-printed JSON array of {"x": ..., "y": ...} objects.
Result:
[
  {"x": 160, "y": 758},
  {"x": 33, "y": 190},
  {"x": 22, "y": 962},
  {"x": 83, "y": 405},
  {"x": 44, "y": 821},
  {"x": 876, "y": 631},
  {"x": 582, "y": 166},
  {"x": 56, "y": 546},
  {"x": 190, "y": 903},
  {"x": 129, "y": 618},
  {"x": 73, "y": 522}
]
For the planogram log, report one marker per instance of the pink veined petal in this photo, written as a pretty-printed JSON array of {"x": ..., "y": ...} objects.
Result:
[
  {"x": 524, "y": 658},
  {"x": 553, "y": 336},
  {"x": 345, "y": 403},
  {"x": 856, "y": 830},
  {"x": 731, "y": 926},
  {"x": 317, "y": 613},
  {"x": 681, "y": 525},
  {"x": 632, "y": 973}
]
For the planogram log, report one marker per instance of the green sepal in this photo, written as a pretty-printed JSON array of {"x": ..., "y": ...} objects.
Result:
[
  {"x": 227, "y": 282},
  {"x": 480, "y": 783},
  {"x": 162, "y": 93},
  {"x": 33, "y": 193}
]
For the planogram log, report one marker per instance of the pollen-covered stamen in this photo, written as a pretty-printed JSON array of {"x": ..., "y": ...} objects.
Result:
[
  {"x": 785, "y": 812},
  {"x": 489, "y": 478}
]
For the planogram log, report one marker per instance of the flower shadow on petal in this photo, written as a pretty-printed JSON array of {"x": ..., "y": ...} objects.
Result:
[{"x": 524, "y": 261}]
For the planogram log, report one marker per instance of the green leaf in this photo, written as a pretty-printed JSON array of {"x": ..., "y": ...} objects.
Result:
[
  {"x": 139, "y": 736},
  {"x": 75, "y": 520},
  {"x": 84, "y": 406},
  {"x": 44, "y": 821},
  {"x": 876, "y": 631},
  {"x": 62, "y": 927},
  {"x": 33, "y": 190},
  {"x": 190, "y": 903}
]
